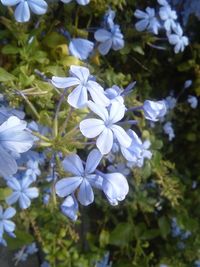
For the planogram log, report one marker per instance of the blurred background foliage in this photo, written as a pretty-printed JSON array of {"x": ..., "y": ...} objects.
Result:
[{"x": 138, "y": 232}]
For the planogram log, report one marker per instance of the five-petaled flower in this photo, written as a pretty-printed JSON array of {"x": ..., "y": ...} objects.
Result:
[
  {"x": 83, "y": 82},
  {"x": 106, "y": 128}
]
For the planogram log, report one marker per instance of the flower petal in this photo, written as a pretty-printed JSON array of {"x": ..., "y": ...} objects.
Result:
[
  {"x": 121, "y": 135},
  {"x": 91, "y": 127},
  {"x": 73, "y": 164},
  {"x": 38, "y": 7},
  {"x": 9, "y": 213},
  {"x": 85, "y": 194},
  {"x": 81, "y": 73},
  {"x": 105, "y": 141},
  {"x": 78, "y": 97},
  {"x": 97, "y": 93},
  {"x": 66, "y": 186},
  {"x": 22, "y": 12},
  {"x": 93, "y": 160},
  {"x": 64, "y": 82},
  {"x": 99, "y": 110},
  {"x": 117, "y": 112},
  {"x": 9, "y": 226}
]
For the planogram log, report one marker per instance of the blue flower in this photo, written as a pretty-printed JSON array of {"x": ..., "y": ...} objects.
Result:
[
  {"x": 106, "y": 128},
  {"x": 80, "y": 48},
  {"x": 83, "y": 179},
  {"x": 168, "y": 16},
  {"x": 31, "y": 249},
  {"x": 193, "y": 101},
  {"x": 147, "y": 21},
  {"x": 70, "y": 207},
  {"x": 22, "y": 11},
  {"x": 21, "y": 192},
  {"x": 114, "y": 185},
  {"x": 167, "y": 127},
  {"x": 13, "y": 138},
  {"x": 178, "y": 39},
  {"x": 6, "y": 225},
  {"x": 80, "y": 2},
  {"x": 154, "y": 110},
  {"x": 137, "y": 151},
  {"x": 108, "y": 39},
  {"x": 32, "y": 169},
  {"x": 83, "y": 82}
]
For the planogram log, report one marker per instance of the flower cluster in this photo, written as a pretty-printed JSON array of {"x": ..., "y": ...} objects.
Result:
[{"x": 165, "y": 19}]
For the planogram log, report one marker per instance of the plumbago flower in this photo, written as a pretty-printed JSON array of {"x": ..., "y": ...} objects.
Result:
[
  {"x": 22, "y": 10},
  {"x": 154, "y": 110},
  {"x": 114, "y": 185},
  {"x": 80, "y": 2},
  {"x": 84, "y": 83},
  {"x": 148, "y": 20},
  {"x": 167, "y": 15},
  {"x": 106, "y": 128},
  {"x": 21, "y": 192},
  {"x": 6, "y": 225},
  {"x": 137, "y": 151},
  {"x": 110, "y": 37},
  {"x": 80, "y": 48},
  {"x": 13, "y": 139},
  {"x": 84, "y": 179},
  {"x": 178, "y": 39}
]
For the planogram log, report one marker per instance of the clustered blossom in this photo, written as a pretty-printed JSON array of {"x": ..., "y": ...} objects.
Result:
[
  {"x": 165, "y": 19},
  {"x": 105, "y": 124}
]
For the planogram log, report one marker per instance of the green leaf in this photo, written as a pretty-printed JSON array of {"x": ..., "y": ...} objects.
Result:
[
  {"x": 6, "y": 76},
  {"x": 164, "y": 226}
]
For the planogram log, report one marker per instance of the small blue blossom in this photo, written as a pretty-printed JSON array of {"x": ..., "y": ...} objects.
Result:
[
  {"x": 108, "y": 39},
  {"x": 154, "y": 110},
  {"x": 81, "y": 48},
  {"x": 83, "y": 82},
  {"x": 167, "y": 127},
  {"x": 193, "y": 101},
  {"x": 104, "y": 262},
  {"x": 6, "y": 225},
  {"x": 178, "y": 39},
  {"x": 106, "y": 128},
  {"x": 20, "y": 256},
  {"x": 83, "y": 180},
  {"x": 32, "y": 249},
  {"x": 170, "y": 102},
  {"x": 22, "y": 10},
  {"x": 21, "y": 192},
  {"x": 32, "y": 170},
  {"x": 80, "y": 2},
  {"x": 70, "y": 207},
  {"x": 148, "y": 20},
  {"x": 168, "y": 16},
  {"x": 15, "y": 139}
]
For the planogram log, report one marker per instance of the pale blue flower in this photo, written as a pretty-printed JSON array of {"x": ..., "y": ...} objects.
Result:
[
  {"x": 154, "y": 110},
  {"x": 80, "y": 48},
  {"x": 136, "y": 153},
  {"x": 104, "y": 262},
  {"x": 178, "y": 39},
  {"x": 187, "y": 84},
  {"x": 80, "y": 2},
  {"x": 22, "y": 10},
  {"x": 84, "y": 177},
  {"x": 108, "y": 39},
  {"x": 21, "y": 192},
  {"x": 167, "y": 127},
  {"x": 109, "y": 19},
  {"x": 193, "y": 101},
  {"x": 6, "y": 225},
  {"x": 114, "y": 93},
  {"x": 31, "y": 249},
  {"x": 20, "y": 256},
  {"x": 33, "y": 169},
  {"x": 70, "y": 207},
  {"x": 114, "y": 186},
  {"x": 106, "y": 128},
  {"x": 13, "y": 139},
  {"x": 83, "y": 82},
  {"x": 170, "y": 102},
  {"x": 168, "y": 16},
  {"x": 148, "y": 20},
  {"x": 45, "y": 264}
]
